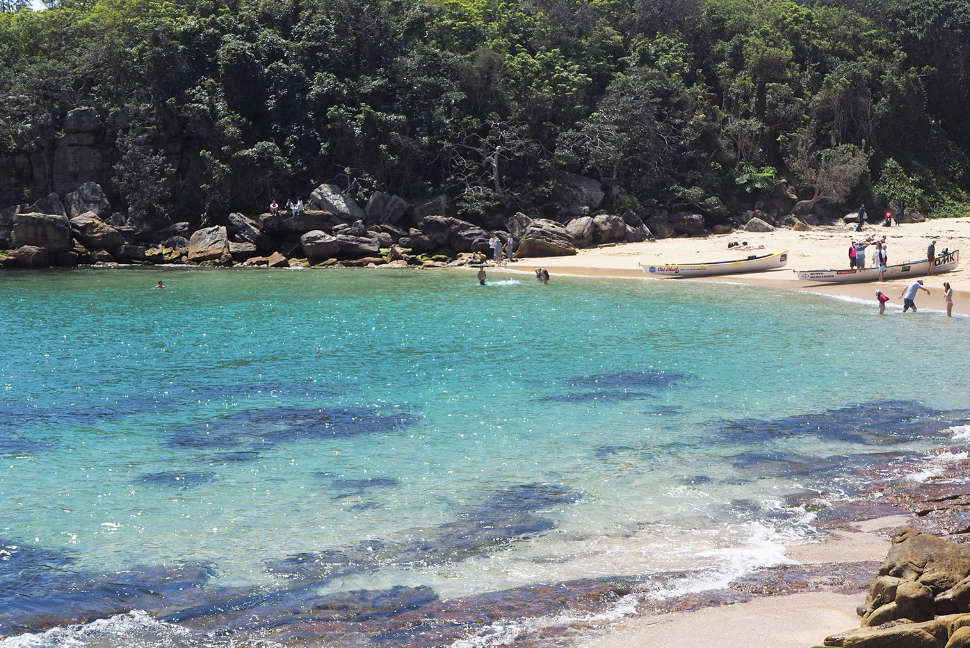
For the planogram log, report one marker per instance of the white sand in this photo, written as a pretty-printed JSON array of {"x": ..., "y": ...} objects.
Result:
[{"x": 822, "y": 247}]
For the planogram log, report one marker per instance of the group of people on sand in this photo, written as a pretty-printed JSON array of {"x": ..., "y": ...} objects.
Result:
[
  {"x": 294, "y": 207},
  {"x": 496, "y": 245},
  {"x": 908, "y": 295}
]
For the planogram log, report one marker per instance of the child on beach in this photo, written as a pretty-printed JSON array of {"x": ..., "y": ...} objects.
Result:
[{"x": 882, "y": 298}]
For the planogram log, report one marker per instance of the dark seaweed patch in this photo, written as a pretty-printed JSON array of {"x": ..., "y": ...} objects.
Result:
[
  {"x": 242, "y": 455},
  {"x": 363, "y": 506},
  {"x": 267, "y": 427},
  {"x": 42, "y": 587},
  {"x": 696, "y": 480},
  {"x": 607, "y": 450},
  {"x": 503, "y": 517},
  {"x": 352, "y": 487},
  {"x": 176, "y": 479},
  {"x": 596, "y": 396},
  {"x": 882, "y": 422},
  {"x": 17, "y": 445},
  {"x": 631, "y": 379}
]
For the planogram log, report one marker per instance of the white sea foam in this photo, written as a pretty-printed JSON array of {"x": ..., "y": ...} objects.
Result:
[
  {"x": 960, "y": 432},
  {"x": 135, "y": 629},
  {"x": 504, "y": 282},
  {"x": 936, "y": 464}
]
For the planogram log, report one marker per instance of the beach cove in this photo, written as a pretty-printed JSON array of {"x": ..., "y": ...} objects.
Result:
[{"x": 464, "y": 455}]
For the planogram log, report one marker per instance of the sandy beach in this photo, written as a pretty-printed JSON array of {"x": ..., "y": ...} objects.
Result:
[
  {"x": 804, "y": 619},
  {"x": 819, "y": 248}
]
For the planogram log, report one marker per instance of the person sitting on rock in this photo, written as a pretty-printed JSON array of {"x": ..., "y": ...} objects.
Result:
[
  {"x": 274, "y": 209},
  {"x": 291, "y": 207},
  {"x": 299, "y": 206}
]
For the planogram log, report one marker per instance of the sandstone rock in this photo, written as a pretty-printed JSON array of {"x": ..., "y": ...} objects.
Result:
[
  {"x": 277, "y": 260},
  {"x": 245, "y": 230},
  {"x": 209, "y": 244},
  {"x": 89, "y": 197},
  {"x": 660, "y": 226},
  {"x": 162, "y": 255},
  {"x": 687, "y": 223},
  {"x": 317, "y": 244},
  {"x": 545, "y": 238},
  {"x": 608, "y": 228},
  {"x": 882, "y": 614},
  {"x": 417, "y": 243},
  {"x": 385, "y": 208},
  {"x": 330, "y": 198},
  {"x": 240, "y": 251},
  {"x": 851, "y": 218},
  {"x": 636, "y": 234},
  {"x": 911, "y": 217},
  {"x": 758, "y": 225},
  {"x": 955, "y": 598},
  {"x": 903, "y": 636},
  {"x": 454, "y": 235},
  {"x": 883, "y": 590},
  {"x": 802, "y": 208},
  {"x": 357, "y": 246},
  {"x": 914, "y": 601},
  {"x": 960, "y": 638},
  {"x": 65, "y": 259},
  {"x": 517, "y": 224},
  {"x": 28, "y": 256},
  {"x": 49, "y": 204},
  {"x": 582, "y": 230},
  {"x": 302, "y": 222},
  {"x": 6, "y": 225},
  {"x": 721, "y": 228},
  {"x": 95, "y": 233},
  {"x": 50, "y": 231},
  {"x": 938, "y": 581},
  {"x": 178, "y": 243},
  {"x": 129, "y": 252},
  {"x": 578, "y": 194},
  {"x": 801, "y": 226}
]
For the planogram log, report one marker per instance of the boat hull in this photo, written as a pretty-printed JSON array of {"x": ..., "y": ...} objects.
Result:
[
  {"x": 944, "y": 263},
  {"x": 761, "y": 263}
]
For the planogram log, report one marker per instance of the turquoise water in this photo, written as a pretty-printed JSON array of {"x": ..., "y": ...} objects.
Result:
[{"x": 237, "y": 419}]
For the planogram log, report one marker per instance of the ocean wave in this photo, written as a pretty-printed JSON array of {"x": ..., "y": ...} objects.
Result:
[
  {"x": 960, "y": 432},
  {"x": 935, "y": 465}
]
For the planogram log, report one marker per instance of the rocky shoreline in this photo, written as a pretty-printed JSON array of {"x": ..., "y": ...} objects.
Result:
[{"x": 82, "y": 228}]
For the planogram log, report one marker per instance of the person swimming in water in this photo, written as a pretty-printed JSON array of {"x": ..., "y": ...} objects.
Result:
[
  {"x": 481, "y": 275},
  {"x": 159, "y": 285}
]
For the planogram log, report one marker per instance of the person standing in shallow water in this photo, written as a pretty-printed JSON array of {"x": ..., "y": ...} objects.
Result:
[
  {"x": 909, "y": 294},
  {"x": 481, "y": 276},
  {"x": 948, "y": 298},
  {"x": 882, "y": 298}
]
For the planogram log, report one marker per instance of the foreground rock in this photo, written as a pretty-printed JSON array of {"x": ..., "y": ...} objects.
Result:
[
  {"x": 545, "y": 238},
  {"x": 50, "y": 231},
  {"x": 209, "y": 244},
  {"x": 921, "y": 597}
]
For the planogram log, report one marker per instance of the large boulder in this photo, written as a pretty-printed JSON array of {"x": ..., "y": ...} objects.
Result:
[
  {"x": 95, "y": 233},
  {"x": 517, "y": 224},
  {"x": 758, "y": 225},
  {"x": 911, "y": 217},
  {"x": 50, "y": 231},
  {"x": 545, "y": 238},
  {"x": 27, "y": 256},
  {"x": 331, "y": 199},
  {"x": 687, "y": 223},
  {"x": 209, "y": 244},
  {"x": 89, "y": 197},
  {"x": 355, "y": 247},
  {"x": 609, "y": 228},
  {"x": 660, "y": 226},
  {"x": 583, "y": 231},
  {"x": 245, "y": 230},
  {"x": 437, "y": 206},
  {"x": 317, "y": 244},
  {"x": 49, "y": 204},
  {"x": 455, "y": 235},
  {"x": 301, "y": 222},
  {"x": 578, "y": 194},
  {"x": 384, "y": 208}
]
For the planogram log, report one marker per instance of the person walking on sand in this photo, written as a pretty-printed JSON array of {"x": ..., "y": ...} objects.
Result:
[
  {"x": 931, "y": 255},
  {"x": 862, "y": 217},
  {"x": 481, "y": 275},
  {"x": 909, "y": 294},
  {"x": 882, "y": 298},
  {"x": 851, "y": 255},
  {"x": 948, "y": 298}
]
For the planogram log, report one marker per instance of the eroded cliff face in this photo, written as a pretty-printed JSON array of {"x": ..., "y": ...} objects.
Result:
[{"x": 58, "y": 160}]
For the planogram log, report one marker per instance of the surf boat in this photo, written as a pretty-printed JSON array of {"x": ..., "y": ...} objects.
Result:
[
  {"x": 753, "y": 263},
  {"x": 945, "y": 262}
]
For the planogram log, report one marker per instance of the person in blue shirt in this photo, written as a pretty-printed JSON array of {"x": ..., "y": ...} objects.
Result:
[{"x": 909, "y": 294}]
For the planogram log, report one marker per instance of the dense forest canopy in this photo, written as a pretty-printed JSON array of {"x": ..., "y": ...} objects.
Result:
[{"x": 219, "y": 105}]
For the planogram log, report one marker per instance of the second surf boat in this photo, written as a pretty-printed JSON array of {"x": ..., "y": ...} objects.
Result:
[{"x": 753, "y": 263}]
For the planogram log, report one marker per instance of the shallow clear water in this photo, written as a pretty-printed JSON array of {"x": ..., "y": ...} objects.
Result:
[{"x": 431, "y": 431}]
